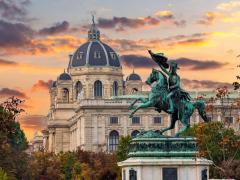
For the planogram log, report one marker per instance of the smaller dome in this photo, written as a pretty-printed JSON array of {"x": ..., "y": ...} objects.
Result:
[
  {"x": 134, "y": 77},
  {"x": 65, "y": 76}
]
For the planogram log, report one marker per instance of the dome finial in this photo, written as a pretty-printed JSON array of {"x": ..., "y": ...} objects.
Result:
[{"x": 93, "y": 22}]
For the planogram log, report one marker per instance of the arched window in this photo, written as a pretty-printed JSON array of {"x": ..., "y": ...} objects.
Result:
[
  {"x": 134, "y": 133},
  {"x": 78, "y": 89},
  {"x": 65, "y": 95},
  {"x": 113, "y": 140},
  {"x": 115, "y": 88},
  {"x": 98, "y": 89}
]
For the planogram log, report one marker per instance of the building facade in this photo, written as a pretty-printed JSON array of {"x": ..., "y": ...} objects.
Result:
[{"x": 89, "y": 102}]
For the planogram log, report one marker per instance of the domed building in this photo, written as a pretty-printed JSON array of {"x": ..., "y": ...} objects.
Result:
[{"x": 89, "y": 102}]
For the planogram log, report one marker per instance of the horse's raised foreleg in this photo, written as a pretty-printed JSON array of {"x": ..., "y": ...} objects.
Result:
[
  {"x": 143, "y": 100},
  {"x": 174, "y": 118},
  {"x": 144, "y": 105}
]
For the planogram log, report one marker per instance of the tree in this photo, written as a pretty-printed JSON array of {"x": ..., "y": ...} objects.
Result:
[
  {"x": 10, "y": 131},
  {"x": 217, "y": 143},
  {"x": 13, "y": 142},
  {"x": 123, "y": 147}
]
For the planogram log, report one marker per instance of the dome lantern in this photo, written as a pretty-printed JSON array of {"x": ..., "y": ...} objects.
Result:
[{"x": 93, "y": 33}]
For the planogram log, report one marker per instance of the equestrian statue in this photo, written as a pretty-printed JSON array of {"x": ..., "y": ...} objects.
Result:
[{"x": 166, "y": 95}]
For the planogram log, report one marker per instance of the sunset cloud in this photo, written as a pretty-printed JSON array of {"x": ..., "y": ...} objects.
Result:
[
  {"x": 210, "y": 18},
  {"x": 14, "y": 34},
  {"x": 121, "y": 23},
  {"x": 33, "y": 121},
  {"x": 4, "y": 62},
  {"x": 14, "y": 9},
  {"x": 190, "y": 64},
  {"x": 204, "y": 84},
  {"x": 42, "y": 85},
  {"x": 195, "y": 64},
  {"x": 228, "y": 6},
  {"x": 126, "y": 45},
  {"x": 7, "y": 92},
  {"x": 55, "y": 29}
]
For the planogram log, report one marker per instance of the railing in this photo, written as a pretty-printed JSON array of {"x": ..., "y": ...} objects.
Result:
[{"x": 104, "y": 102}]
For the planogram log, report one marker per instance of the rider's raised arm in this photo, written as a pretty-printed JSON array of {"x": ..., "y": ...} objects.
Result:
[{"x": 164, "y": 69}]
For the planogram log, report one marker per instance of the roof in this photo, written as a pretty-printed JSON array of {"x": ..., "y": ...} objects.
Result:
[
  {"x": 94, "y": 53},
  {"x": 134, "y": 77},
  {"x": 64, "y": 77}
]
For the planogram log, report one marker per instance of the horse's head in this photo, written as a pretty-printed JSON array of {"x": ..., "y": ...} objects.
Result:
[{"x": 153, "y": 77}]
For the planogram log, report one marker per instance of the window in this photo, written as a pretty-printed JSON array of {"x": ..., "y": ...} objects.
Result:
[
  {"x": 132, "y": 174},
  {"x": 98, "y": 89},
  {"x": 169, "y": 173},
  {"x": 115, "y": 88},
  {"x": 78, "y": 88},
  {"x": 113, "y": 140},
  {"x": 136, "y": 120},
  {"x": 65, "y": 95},
  {"x": 209, "y": 118},
  {"x": 113, "y": 120},
  {"x": 229, "y": 119},
  {"x": 113, "y": 55},
  {"x": 97, "y": 54},
  {"x": 79, "y": 55},
  {"x": 134, "y": 133},
  {"x": 204, "y": 174},
  {"x": 157, "y": 120}
]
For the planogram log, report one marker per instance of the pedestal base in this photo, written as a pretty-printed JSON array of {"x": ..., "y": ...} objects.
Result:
[
  {"x": 165, "y": 169},
  {"x": 153, "y": 156}
]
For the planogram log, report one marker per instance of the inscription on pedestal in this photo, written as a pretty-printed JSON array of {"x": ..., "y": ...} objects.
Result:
[{"x": 169, "y": 173}]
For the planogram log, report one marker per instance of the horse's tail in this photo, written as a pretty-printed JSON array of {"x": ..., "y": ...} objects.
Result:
[{"x": 200, "y": 106}]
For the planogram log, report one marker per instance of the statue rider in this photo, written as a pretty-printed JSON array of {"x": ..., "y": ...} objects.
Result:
[{"x": 173, "y": 78}]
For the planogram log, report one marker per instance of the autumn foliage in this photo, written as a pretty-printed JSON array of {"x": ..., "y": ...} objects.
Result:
[{"x": 219, "y": 144}]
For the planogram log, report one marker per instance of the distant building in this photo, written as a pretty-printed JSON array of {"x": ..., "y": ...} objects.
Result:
[
  {"x": 89, "y": 102},
  {"x": 37, "y": 142}
]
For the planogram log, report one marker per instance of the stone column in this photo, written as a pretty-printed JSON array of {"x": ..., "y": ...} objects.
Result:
[
  {"x": 78, "y": 133},
  {"x": 124, "y": 118},
  {"x": 95, "y": 132}
]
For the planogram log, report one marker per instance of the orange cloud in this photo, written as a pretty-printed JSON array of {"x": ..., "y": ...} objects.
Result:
[
  {"x": 128, "y": 46},
  {"x": 42, "y": 85},
  {"x": 7, "y": 92},
  {"x": 210, "y": 18},
  {"x": 229, "y": 5},
  {"x": 32, "y": 123}
]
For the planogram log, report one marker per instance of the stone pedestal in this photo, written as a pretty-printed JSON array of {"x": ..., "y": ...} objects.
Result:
[
  {"x": 164, "y": 169},
  {"x": 155, "y": 157}
]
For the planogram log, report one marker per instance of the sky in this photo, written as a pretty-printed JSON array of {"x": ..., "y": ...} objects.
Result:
[{"x": 36, "y": 38}]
